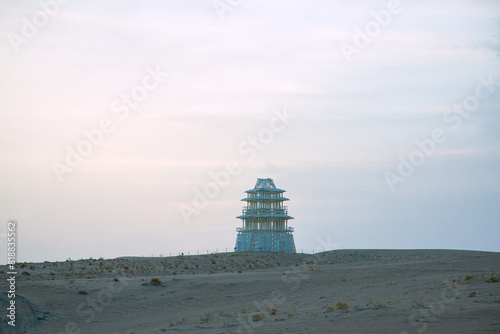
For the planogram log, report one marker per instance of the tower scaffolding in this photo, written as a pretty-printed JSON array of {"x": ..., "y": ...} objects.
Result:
[{"x": 265, "y": 221}]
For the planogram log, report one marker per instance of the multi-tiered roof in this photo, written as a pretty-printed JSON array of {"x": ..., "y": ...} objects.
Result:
[{"x": 265, "y": 220}]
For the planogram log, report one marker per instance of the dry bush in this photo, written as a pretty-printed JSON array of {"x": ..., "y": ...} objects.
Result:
[
  {"x": 155, "y": 281},
  {"x": 258, "y": 317},
  {"x": 418, "y": 302},
  {"x": 377, "y": 304},
  {"x": 342, "y": 307},
  {"x": 272, "y": 311},
  {"x": 468, "y": 278},
  {"x": 494, "y": 278}
]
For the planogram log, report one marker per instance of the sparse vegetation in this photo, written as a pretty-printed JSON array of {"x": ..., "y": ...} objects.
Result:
[
  {"x": 493, "y": 278},
  {"x": 376, "y": 304},
  {"x": 257, "y": 317},
  {"x": 155, "y": 282},
  {"x": 468, "y": 278},
  {"x": 343, "y": 307},
  {"x": 418, "y": 303}
]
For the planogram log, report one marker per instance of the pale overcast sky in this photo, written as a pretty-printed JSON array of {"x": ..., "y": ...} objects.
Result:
[{"x": 177, "y": 90}]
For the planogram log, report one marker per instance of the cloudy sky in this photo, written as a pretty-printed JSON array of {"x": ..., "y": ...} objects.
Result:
[{"x": 380, "y": 120}]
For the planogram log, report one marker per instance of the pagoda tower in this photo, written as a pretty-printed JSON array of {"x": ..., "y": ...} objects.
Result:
[{"x": 265, "y": 221}]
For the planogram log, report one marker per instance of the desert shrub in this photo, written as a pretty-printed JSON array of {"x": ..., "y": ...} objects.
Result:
[
  {"x": 418, "y": 302},
  {"x": 116, "y": 279},
  {"x": 376, "y": 304},
  {"x": 494, "y": 278},
  {"x": 257, "y": 317},
  {"x": 472, "y": 294},
  {"x": 468, "y": 278},
  {"x": 272, "y": 311},
  {"x": 342, "y": 307},
  {"x": 155, "y": 281}
]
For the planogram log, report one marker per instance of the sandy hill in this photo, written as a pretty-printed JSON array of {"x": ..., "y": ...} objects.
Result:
[{"x": 343, "y": 291}]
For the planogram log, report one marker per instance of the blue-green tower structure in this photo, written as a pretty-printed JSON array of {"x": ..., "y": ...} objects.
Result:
[{"x": 265, "y": 221}]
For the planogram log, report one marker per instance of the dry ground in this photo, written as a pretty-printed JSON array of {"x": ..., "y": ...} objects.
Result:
[{"x": 368, "y": 291}]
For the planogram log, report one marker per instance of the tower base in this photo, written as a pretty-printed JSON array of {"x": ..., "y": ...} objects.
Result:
[{"x": 281, "y": 242}]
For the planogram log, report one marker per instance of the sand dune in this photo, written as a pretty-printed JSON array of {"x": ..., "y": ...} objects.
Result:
[{"x": 344, "y": 291}]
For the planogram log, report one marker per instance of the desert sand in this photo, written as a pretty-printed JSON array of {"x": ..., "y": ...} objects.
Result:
[{"x": 343, "y": 291}]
